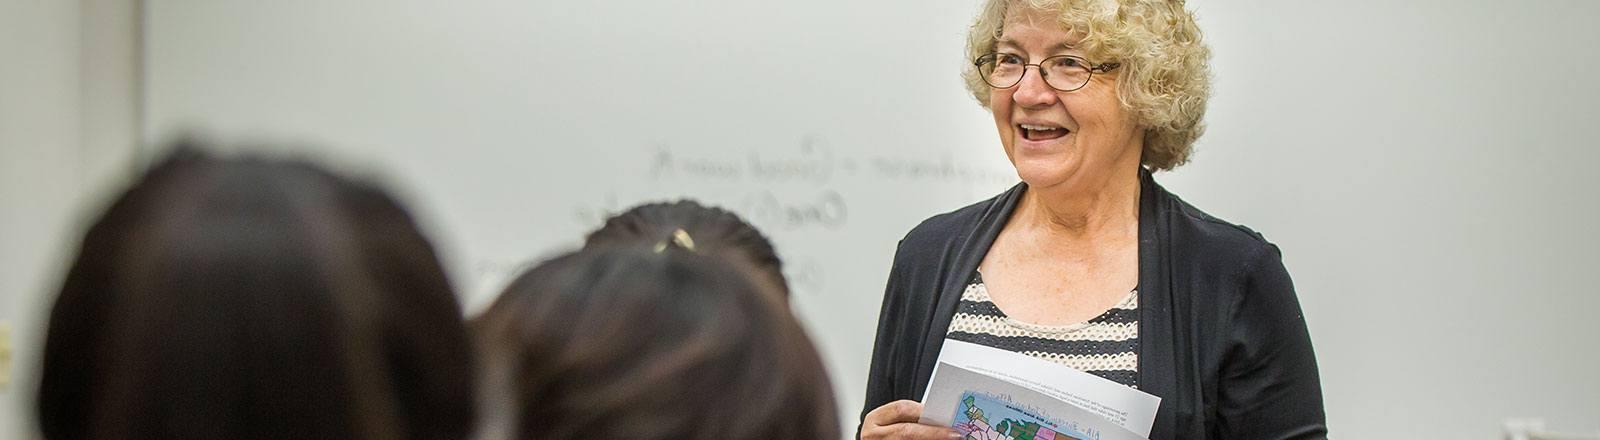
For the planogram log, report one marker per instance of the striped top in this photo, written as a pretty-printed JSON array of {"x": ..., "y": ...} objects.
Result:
[{"x": 1106, "y": 346}]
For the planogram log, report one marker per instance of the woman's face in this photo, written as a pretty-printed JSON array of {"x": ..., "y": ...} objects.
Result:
[{"x": 1060, "y": 140}]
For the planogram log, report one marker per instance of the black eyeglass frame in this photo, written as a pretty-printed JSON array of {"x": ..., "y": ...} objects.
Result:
[{"x": 994, "y": 57}]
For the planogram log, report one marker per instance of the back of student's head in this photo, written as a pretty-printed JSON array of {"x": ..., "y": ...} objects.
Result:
[
  {"x": 711, "y": 230},
  {"x": 254, "y": 298},
  {"x": 635, "y": 343}
]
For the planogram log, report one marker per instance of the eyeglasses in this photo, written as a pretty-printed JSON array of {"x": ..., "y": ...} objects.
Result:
[{"x": 1062, "y": 72}]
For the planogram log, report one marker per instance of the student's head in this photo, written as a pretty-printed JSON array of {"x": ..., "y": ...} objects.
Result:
[
  {"x": 254, "y": 298},
  {"x": 629, "y": 342},
  {"x": 711, "y": 230}
]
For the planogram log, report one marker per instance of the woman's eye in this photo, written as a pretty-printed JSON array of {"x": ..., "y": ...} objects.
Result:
[
  {"x": 1068, "y": 62},
  {"x": 1007, "y": 58}
]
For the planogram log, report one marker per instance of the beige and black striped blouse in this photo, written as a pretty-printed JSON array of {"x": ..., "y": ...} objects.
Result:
[{"x": 1106, "y": 346}]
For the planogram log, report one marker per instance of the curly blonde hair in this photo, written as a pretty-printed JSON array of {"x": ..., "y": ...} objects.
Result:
[{"x": 1165, "y": 76}]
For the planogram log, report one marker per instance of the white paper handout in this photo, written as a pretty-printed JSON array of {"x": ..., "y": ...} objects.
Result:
[
  {"x": 1126, "y": 407},
  {"x": 982, "y": 407}
]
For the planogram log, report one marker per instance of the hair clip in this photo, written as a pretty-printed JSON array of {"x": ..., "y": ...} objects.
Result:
[{"x": 680, "y": 238}]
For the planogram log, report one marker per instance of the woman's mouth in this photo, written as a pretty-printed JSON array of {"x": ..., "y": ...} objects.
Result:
[{"x": 1041, "y": 132}]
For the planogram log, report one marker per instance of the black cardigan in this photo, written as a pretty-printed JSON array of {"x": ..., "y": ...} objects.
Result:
[{"x": 1222, "y": 341}]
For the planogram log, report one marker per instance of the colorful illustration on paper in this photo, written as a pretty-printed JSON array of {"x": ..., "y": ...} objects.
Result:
[{"x": 981, "y": 417}]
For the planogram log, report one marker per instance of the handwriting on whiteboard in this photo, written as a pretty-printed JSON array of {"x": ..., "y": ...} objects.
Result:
[
  {"x": 805, "y": 188},
  {"x": 814, "y": 161}
]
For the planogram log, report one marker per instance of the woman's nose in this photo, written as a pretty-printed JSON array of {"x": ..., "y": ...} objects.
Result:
[{"x": 1033, "y": 91}]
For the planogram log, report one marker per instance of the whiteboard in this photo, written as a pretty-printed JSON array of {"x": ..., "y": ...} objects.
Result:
[
  {"x": 1427, "y": 166},
  {"x": 513, "y": 128}
]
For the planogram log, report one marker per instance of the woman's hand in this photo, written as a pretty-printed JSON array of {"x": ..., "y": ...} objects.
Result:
[{"x": 897, "y": 420}]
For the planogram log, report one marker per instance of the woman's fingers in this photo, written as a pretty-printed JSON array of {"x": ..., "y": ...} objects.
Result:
[
  {"x": 897, "y": 420},
  {"x": 896, "y": 412}
]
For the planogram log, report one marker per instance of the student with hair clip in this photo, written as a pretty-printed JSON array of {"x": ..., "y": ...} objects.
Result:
[
  {"x": 254, "y": 298},
  {"x": 655, "y": 340},
  {"x": 715, "y": 231}
]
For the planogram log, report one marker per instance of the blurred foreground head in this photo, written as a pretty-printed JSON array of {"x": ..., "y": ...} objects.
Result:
[
  {"x": 254, "y": 298},
  {"x": 640, "y": 343},
  {"x": 709, "y": 230}
]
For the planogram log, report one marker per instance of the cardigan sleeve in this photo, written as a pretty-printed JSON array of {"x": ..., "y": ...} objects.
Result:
[
  {"x": 1269, "y": 384},
  {"x": 881, "y": 376}
]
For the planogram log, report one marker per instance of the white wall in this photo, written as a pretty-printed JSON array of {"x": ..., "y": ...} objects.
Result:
[
  {"x": 67, "y": 127},
  {"x": 38, "y": 155}
]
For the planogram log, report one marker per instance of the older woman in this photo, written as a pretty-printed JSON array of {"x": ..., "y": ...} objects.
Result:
[{"x": 1088, "y": 262}]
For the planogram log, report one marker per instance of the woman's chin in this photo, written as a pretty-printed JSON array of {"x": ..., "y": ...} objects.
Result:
[{"x": 1043, "y": 172}]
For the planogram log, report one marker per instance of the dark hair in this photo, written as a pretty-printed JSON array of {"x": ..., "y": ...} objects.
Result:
[
  {"x": 632, "y": 343},
  {"x": 253, "y": 298},
  {"x": 714, "y": 231}
]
